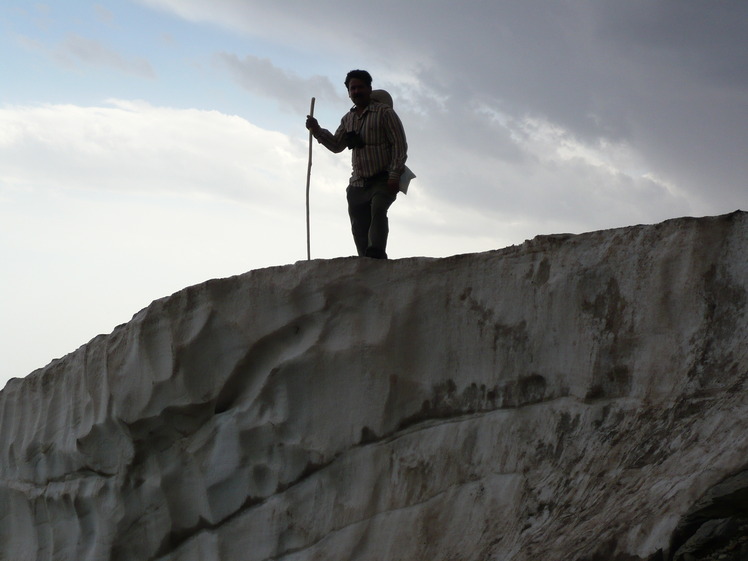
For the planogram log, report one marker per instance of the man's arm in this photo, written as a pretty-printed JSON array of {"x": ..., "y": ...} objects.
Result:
[
  {"x": 333, "y": 142},
  {"x": 396, "y": 137}
]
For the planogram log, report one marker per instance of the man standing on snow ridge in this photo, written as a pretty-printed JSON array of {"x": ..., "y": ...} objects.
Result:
[{"x": 374, "y": 134}]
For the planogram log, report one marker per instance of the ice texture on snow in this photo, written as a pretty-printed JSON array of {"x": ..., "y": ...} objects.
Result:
[{"x": 569, "y": 397}]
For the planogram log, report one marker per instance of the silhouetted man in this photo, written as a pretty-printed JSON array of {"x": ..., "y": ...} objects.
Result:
[{"x": 374, "y": 134}]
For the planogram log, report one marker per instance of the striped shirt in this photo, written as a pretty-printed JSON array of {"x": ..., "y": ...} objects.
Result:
[{"x": 385, "y": 147}]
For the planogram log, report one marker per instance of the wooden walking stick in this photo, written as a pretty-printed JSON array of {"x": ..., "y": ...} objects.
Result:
[{"x": 308, "y": 178}]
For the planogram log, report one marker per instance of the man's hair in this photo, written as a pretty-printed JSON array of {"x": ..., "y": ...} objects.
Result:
[{"x": 360, "y": 74}]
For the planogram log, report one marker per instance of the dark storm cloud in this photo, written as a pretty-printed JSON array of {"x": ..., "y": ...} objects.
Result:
[{"x": 668, "y": 78}]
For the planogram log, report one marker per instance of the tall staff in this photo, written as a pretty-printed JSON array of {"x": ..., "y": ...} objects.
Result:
[{"x": 308, "y": 178}]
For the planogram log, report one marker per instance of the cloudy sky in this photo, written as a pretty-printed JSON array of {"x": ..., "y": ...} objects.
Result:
[{"x": 147, "y": 145}]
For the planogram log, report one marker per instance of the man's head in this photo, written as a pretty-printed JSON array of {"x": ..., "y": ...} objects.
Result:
[
  {"x": 360, "y": 74},
  {"x": 358, "y": 84}
]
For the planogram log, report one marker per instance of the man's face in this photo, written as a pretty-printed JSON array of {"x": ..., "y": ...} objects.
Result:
[{"x": 359, "y": 92}]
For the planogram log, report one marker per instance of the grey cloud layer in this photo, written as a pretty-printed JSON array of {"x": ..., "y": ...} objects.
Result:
[
  {"x": 666, "y": 79},
  {"x": 261, "y": 77},
  {"x": 88, "y": 51}
]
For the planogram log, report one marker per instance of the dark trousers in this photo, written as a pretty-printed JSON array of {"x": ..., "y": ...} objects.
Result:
[{"x": 367, "y": 208}]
